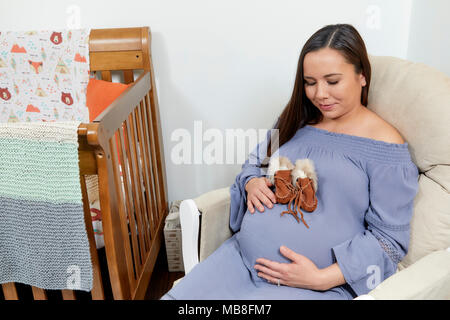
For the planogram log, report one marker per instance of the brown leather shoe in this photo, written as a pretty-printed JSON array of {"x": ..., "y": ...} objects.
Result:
[
  {"x": 304, "y": 178},
  {"x": 284, "y": 190},
  {"x": 279, "y": 174},
  {"x": 295, "y": 186},
  {"x": 294, "y": 212},
  {"x": 309, "y": 200}
]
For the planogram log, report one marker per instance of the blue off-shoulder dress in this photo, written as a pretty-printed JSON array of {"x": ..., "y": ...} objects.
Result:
[{"x": 366, "y": 191}]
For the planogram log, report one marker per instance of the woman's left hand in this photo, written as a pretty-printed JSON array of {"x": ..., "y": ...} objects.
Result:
[{"x": 300, "y": 273}]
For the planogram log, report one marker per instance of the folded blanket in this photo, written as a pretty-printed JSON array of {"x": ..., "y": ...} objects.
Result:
[
  {"x": 44, "y": 75},
  {"x": 43, "y": 239}
]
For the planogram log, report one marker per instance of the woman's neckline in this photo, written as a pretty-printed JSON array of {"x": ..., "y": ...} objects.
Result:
[{"x": 353, "y": 137}]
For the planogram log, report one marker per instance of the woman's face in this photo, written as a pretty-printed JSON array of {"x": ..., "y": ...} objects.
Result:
[{"x": 331, "y": 83}]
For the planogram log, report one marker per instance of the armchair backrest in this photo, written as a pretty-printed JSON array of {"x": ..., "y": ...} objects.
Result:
[{"x": 415, "y": 99}]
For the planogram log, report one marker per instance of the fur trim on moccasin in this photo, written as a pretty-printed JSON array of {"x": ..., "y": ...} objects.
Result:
[
  {"x": 278, "y": 163},
  {"x": 304, "y": 168}
]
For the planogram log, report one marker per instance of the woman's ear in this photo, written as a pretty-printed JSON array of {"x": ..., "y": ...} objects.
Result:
[{"x": 362, "y": 80}]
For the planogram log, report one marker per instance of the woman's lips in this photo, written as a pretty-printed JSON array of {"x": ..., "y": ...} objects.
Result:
[{"x": 327, "y": 107}]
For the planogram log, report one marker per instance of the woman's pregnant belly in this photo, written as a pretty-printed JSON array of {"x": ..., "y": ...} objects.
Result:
[{"x": 263, "y": 233}]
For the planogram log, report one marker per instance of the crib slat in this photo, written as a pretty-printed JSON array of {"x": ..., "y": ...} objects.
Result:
[
  {"x": 158, "y": 138},
  {"x": 106, "y": 75},
  {"x": 155, "y": 166},
  {"x": 121, "y": 204},
  {"x": 129, "y": 201},
  {"x": 10, "y": 291},
  {"x": 132, "y": 218},
  {"x": 97, "y": 287},
  {"x": 38, "y": 293},
  {"x": 68, "y": 295},
  {"x": 148, "y": 173},
  {"x": 114, "y": 239},
  {"x": 128, "y": 76},
  {"x": 144, "y": 159},
  {"x": 152, "y": 163},
  {"x": 136, "y": 184},
  {"x": 153, "y": 158},
  {"x": 144, "y": 156},
  {"x": 139, "y": 156}
]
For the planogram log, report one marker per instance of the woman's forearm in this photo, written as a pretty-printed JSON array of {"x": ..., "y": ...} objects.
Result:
[{"x": 331, "y": 277}]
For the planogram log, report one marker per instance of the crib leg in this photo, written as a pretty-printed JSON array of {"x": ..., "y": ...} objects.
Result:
[
  {"x": 39, "y": 294},
  {"x": 9, "y": 291},
  {"x": 97, "y": 289},
  {"x": 68, "y": 295}
]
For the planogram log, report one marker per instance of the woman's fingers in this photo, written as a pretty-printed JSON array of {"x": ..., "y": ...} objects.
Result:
[
  {"x": 274, "y": 280},
  {"x": 273, "y": 265},
  {"x": 259, "y": 199},
  {"x": 254, "y": 202},
  {"x": 264, "y": 272},
  {"x": 269, "y": 194},
  {"x": 259, "y": 194},
  {"x": 250, "y": 206},
  {"x": 272, "y": 271},
  {"x": 265, "y": 199}
]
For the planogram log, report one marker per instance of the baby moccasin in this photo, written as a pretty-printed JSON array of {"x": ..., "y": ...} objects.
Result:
[
  {"x": 304, "y": 178},
  {"x": 279, "y": 174}
]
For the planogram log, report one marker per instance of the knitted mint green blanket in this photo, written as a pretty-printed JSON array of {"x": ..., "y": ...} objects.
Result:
[{"x": 43, "y": 239}]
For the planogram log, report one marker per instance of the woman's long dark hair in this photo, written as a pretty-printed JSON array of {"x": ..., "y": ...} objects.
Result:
[{"x": 300, "y": 111}]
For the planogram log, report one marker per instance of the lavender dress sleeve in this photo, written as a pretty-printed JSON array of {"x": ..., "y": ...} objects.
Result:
[
  {"x": 250, "y": 169},
  {"x": 372, "y": 255}
]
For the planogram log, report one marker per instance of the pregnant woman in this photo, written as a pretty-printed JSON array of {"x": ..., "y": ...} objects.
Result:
[{"x": 366, "y": 184}]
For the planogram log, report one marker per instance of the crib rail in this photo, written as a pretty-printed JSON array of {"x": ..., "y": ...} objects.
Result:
[
  {"x": 123, "y": 147},
  {"x": 129, "y": 162}
]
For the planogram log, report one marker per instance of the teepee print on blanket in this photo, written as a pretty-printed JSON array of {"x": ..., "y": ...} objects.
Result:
[{"x": 44, "y": 75}]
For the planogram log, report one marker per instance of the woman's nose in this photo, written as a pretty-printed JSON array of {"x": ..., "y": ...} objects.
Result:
[{"x": 321, "y": 91}]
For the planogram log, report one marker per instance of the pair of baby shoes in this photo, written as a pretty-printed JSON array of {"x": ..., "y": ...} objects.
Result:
[{"x": 294, "y": 184}]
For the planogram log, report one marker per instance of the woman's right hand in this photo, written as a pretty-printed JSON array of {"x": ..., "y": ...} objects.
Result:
[{"x": 258, "y": 191}]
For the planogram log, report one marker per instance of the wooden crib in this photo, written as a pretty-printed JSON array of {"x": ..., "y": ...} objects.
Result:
[{"x": 133, "y": 206}]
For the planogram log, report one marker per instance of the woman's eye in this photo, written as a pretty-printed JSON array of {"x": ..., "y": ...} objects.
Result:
[{"x": 311, "y": 84}]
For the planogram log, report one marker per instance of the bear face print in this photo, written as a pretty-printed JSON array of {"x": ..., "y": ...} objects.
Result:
[
  {"x": 56, "y": 38},
  {"x": 5, "y": 94},
  {"x": 66, "y": 98}
]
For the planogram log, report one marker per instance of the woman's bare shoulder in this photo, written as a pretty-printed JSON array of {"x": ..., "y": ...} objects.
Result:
[{"x": 382, "y": 130}]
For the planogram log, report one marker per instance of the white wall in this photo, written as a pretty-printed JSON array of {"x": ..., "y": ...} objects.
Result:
[
  {"x": 429, "y": 40},
  {"x": 229, "y": 64}
]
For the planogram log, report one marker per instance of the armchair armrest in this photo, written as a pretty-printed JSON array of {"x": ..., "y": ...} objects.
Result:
[
  {"x": 427, "y": 278},
  {"x": 189, "y": 220},
  {"x": 215, "y": 225},
  {"x": 214, "y": 208}
]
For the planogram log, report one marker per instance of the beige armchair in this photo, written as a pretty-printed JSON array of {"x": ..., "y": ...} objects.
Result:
[{"x": 415, "y": 99}]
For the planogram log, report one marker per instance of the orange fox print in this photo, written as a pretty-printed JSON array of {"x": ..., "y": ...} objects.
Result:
[{"x": 37, "y": 66}]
